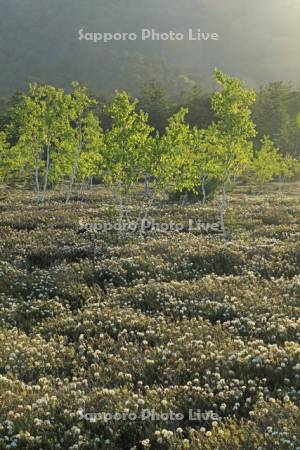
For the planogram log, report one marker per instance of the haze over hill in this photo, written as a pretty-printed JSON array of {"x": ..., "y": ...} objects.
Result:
[{"x": 259, "y": 42}]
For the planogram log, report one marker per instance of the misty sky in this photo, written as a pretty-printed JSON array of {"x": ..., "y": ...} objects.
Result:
[{"x": 259, "y": 41}]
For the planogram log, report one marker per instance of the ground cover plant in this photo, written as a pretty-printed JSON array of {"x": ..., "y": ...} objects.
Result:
[{"x": 167, "y": 323}]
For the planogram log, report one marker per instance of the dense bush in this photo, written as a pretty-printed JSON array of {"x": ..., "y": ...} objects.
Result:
[{"x": 211, "y": 189}]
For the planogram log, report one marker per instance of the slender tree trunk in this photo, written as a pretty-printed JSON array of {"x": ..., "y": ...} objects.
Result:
[
  {"x": 203, "y": 191},
  {"x": 223, "y": 206},
  {"x": 146, "y": 184},
  {"x": 37, "y": 184},
  {"x": 146, "y": 212},
  {"x": 121, "y": 213},
  {"x": 75, "y": 166},
  {"x": 184, "y": 199},
  {"x": 46, "y": 172}
]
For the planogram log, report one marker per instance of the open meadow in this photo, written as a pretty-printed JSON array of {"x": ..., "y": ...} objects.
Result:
[
  {"x": 159, "y": 340},
  {"x": 149, "y": 225}
]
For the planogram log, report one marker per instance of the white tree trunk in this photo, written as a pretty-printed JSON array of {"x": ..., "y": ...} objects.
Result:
[
  {"x": 223, "y": 206},
  {"x": 203, "y": 192},
  {"x": 75, "y": 165},
  {"x": 184, "y": 199},
  {"x": 46, "y": 172},
  {"x": 37, "y": 184}
]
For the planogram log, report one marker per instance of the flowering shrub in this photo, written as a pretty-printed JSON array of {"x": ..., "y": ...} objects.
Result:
[{"x": 154, "y": 328}]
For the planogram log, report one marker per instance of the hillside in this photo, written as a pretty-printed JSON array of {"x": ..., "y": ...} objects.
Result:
[{"x": 259, "y": 42}]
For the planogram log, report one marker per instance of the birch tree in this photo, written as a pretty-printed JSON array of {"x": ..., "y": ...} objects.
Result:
[
  {"x": 127, "y": 143},
  {"x": 229, "y": 137},
  {"x": 175, "y": 161},
  {"x": 4, "y": 167},
  {"x": 41, "y": 118},
  {"x": 204, "y": 161},
  {"x": 74, "y": 144},
  {"x": 266, "y": 162}
]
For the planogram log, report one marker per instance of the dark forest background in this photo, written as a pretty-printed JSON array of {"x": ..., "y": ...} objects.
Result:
[{"x": 259, "y": 42}]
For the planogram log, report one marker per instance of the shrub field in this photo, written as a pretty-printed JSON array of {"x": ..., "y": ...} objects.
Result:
[{"x": 165, "y": 340}]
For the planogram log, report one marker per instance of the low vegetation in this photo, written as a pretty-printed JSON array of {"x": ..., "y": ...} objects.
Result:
[{"x": 170, "y": 322}]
